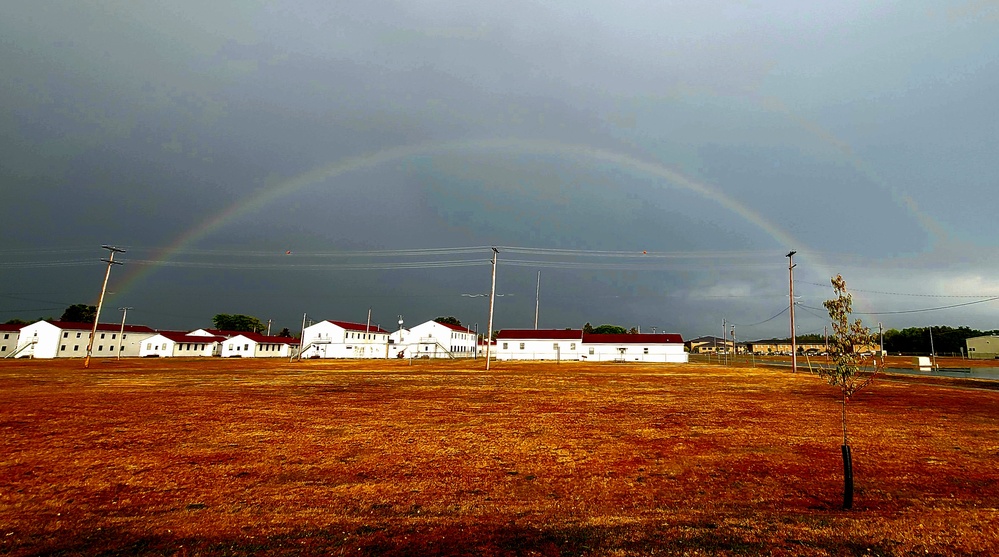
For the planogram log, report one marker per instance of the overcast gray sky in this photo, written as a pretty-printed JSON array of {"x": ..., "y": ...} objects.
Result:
[{"x": 655, "y": 161}]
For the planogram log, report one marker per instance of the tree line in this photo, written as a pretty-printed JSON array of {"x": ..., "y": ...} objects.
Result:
[{"x": 914, "y": 340}]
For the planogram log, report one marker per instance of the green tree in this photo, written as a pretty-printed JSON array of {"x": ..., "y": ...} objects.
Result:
[
  {"x": 609, "y": 330},
  {"x": 285, "y": 333},
  {"x": 226, "y": 322},
  {"x": 852, "y": 371},
  {"x": 16, "y": 322},
  {"x": 79, "y": 313},
  {"x": 449, "y": 320},
  {"x": 587, "y": 328}
]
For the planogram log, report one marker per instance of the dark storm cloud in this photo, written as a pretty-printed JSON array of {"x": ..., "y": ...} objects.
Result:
[{"x": 865, "y": 133}]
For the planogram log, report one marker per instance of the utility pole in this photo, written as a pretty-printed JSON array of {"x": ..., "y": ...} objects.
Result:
[
  {"x": 881, "y": 341},
  {"x": 269, "y": 327},
  {"x": 537, "y": 302},
  {"x": 790, "y": 281},
  {"x": 724, "y": 341},
  {"x": 121, "y": 333},
  {"x": 100, "y": 302},
  {"x": 301, "y": 338},
  {"x": 735, "y": 351},
  {"x": 492, "y": 302}
]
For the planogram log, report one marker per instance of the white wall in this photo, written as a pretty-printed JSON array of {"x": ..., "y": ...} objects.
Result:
[
  {"x": 343, "y": 343},
  {"x": 8, "y": 342},
  {"x": 537, "y": 349},
  {"x": 668, "y": 353}
]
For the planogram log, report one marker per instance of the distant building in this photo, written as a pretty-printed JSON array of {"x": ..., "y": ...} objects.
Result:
[
  {"x": 256, "y": 345},
  {"x": 983, "y": 347},
  {"x": 574, "y": 344},
  {"x": 666, "y": 348},
  {"x": 708, "y": 345},
  {"x": 8, "y": 340},
  {"x": 176, "y": 344},
  {"x": 433, "y": 340},
  {"x": 343, "y": 339},
  {"x": 61, "y": 339},
  {"x": 538, "y": 344}
]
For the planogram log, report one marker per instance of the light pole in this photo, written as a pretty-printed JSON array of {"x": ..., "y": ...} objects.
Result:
[
  {"x": 121, "y": 333},
  {"x": 492, "y": 303},
  {"x": 790, "y": 281},
  {"x": 100, "y": 302}
]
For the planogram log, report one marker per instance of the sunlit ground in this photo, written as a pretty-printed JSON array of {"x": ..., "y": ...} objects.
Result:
[{"x": 241, "y": 457}]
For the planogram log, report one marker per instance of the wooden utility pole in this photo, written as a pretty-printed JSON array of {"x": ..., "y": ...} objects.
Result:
[
  {"x": 492, "y": 303},
  {"x": 100, "y": 302},
  {"x": 790, "y": 281}
]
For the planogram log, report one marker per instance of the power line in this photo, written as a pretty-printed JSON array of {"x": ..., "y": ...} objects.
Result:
[
  {"x": 906, "y": 293},
  {"x": 782, "y": 312},
  {"x": 994, "y": 298}
]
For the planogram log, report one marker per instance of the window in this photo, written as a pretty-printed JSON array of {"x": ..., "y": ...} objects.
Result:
[
  {"x": 555, "y": 346},
  {"x": 3, "y": 348},
  {"x": 645, "y": 350},
  {"x": 149, "y": 346},
  {"x": 572, "y": 346},
  {"x": 76, "y": 348},
  {"x": 121, "y": 348},
  {"x": 62, "y": 348},
  {"x": 230, "y": 346},
  {"x": 113, "y": 335},
  {"x": 77, "y": 335},
  {"x": 246, "y": 347},
  {"x": 506, "y": 345},
  {"x": 164, "y": 346},
  {"x": 102, "y": 336},
  {"x": 123, "y": 337},
  {"x": 100, "y": 347},
  {"x": 6, "y": 336},
  {"x": 64, "y": 335},
  {"x": 522, "y": 346},
  {"x": 591, "y": 351}
]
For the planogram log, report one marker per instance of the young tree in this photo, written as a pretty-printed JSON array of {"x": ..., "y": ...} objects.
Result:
[
  {"x": 449, "y": 320},
  {"x": 852, "y": 371}
]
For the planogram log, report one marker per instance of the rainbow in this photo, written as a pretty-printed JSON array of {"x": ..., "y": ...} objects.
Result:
[{"x": 263, "y": 198}]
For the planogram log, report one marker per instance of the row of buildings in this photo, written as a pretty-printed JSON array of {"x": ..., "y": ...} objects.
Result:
[{"x": 334, "y": 339}]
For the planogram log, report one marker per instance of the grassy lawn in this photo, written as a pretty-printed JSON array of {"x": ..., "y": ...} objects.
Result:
[{"x": 243, "y": 457}]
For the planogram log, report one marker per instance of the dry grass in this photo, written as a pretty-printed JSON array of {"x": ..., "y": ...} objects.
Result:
[{"x": 241, "y": 457}]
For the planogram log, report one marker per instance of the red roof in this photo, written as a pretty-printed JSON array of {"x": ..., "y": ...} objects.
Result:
[
  {"x": 181, "y": 336},
  {"x": 667, "y": 338},
  {"x": 541, "y": 334},
  {"x": 358, "y": 327},
  {"x": 459, "y": 328},
  {"x": 113, "y": 327},
  {"x": 10, "y": 327},
  {"x": 264, "y": 339}
]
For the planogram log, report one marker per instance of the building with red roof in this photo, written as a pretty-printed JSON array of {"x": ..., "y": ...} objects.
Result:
[
  {"x": 574, "y": 344},
  {"x": 64, "y": 339},
  {"x": 344, "y": 339}
]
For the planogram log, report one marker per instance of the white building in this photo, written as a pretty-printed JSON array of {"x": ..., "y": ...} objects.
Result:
[
  {"x": 342, "y": 339},
  {"x": 8, "y": 340},
  {"x": 61, "y": 339},
  {"x": 433, "y": 340},
  {"x": 574, "y": 344},
  {"x": 666, "y": 348},
  {"x": 177, "y": 344},
  {"x": 256, "y": 345},
  {"x": 538, "y": 344}
]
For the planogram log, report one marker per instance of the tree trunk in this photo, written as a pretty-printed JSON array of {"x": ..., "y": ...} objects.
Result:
[{"x": 847, "y": 478}]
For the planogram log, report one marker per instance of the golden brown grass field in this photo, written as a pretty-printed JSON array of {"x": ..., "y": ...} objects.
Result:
[{"x": 250, "y": 457}]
